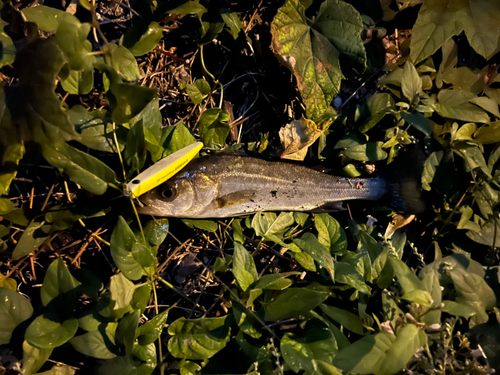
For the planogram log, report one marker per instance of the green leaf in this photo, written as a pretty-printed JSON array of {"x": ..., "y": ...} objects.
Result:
[
  {"x": 8, "y": 48},
  {"x": 128, "y": 100},
  {"x": 151, "y": 331},
  {"x": 13, "y": 152},
  {"x": 71, "y": 37},
  {"x": 34, "y": 358},
  {"x": 122, "y": 240},
  {"x": 237, "y": 231},
  {"x": 313, "y": 52},
  {"x": 277, "y": 281},
  {"x": 343, "y": 317},
  {"x": 78, "y": 82},
  {"x": 156, "y": 231},
  {"x": 121, "y": 60},
  {"x": 473, "y": 157},
  {"x": 310, "y": 244},
  {"x": 346, "y": 273},
  {"x": 431, "y": 283},
  {"x": 371, "y": 151},
  {"x": 266, "y": 223},
  {"x": 198, "y": 338},
  {"x": 121, "y": 290},
  {"x": 48, "y": 334},
  {"x": 59, "y": 370},
  {"x": 418, "y": 121},
  {"x": 413, "y": 289},
  {"x": 141, "y": 40},
  {"x": 14, "y": 309},
  {"x": 58, "y": 280},
  {"x": 46, "y": 18},
  {"x": 231, "y": 19},
  {"x": 208, "y": 225},
  {"x": 198, "y": 90},
  {"x": 457, "y": 105},
  {"x": 313, "y": 352},
  {"x": 145, "y": 255},
  {"x": 82, "y": 168},
  {"x": 430, "y": 167},
  {"x": 411, "y": 83},
  {"x": 487, "y": 134},
  {"x": 330, "y": 234},
  {"x": 378, "y": 106},
  {"x": 439, "y": 20},
  {"x": 214, "y": 128},
  {"x": 135, "y": 151},
  {"x": 244, "y": 269},
  {"x": 458, "y": 309},
  {"x": 125, "y": 332},
  {"x": 97, "y": 344},
  {"x": 31, "y": 240},
  {"x": 178, "y": 138},
  {"x": 95, "y": 129},
  {"x": 296, "y": 301}
]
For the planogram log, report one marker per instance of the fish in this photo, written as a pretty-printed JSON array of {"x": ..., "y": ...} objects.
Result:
[{"x": 230, "y": 185}]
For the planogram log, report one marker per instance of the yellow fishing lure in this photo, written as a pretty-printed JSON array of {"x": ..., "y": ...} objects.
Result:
[{"x": 161, "y": 171}]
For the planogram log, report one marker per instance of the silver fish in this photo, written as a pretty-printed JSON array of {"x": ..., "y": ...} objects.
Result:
[{"x": 232, "y": 185}]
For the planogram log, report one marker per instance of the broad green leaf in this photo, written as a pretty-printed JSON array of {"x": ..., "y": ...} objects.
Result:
[
  {"x": 156, "y": 231},
  {"x": 198, "y": 338},
  {"x": 411, "y": 83},
  {"x": 128, "y": 100},
  {"x": 142, "y": 39},
  {"x": 37, "y": 110},
  {"x": 295, "y": 301},
  {"x": 214, "y": 128},
  {"x": 13, "y": 152},
  {"x": 267, "y": 223},
  {"x": 457, "y": 105},
  {"x": 464, "y": 132},
  {"x": 244, "y": 269},
  {"x": 313, "y": 50},
  {"x": 126, "y": 329},
  {"x": 144, "y": 255},
  {"x": 135, "y": 150},
  {"x": 208, "y": 225},
  {"x": 346, "y": 273},
  {"x": 86, "y": 170},
  {"x": 310, "y": 244},
  {"x": 345, "y": 318},
  {"x": 78, "y": 82},
  {"x": 8, "y": 48},
  {"x": 95, "y": 344},
  {"x": 7, "y": 282},
  {"x": 366, "y": 355},
  {"x": 473, "y": 157},
  {"x": 189, "y": 7},
  {"x": 46, "y": 18},
  {"x": 431, "y": 283},
  {"x": 312, "y": 352},
  {"x": 245, "y": 320},
  {"x": 487, "y": 104},
  {"x": 71, "y": 37},
  {"x": 95, "y": 129},
  {"x": 122, "y": 290},
  {"x": 378, "y": 106},
  {"x": 430, "y": 167},
  {"x": 489, "y": 234},
  {"x": 14, "y": 309},
  {"x": 371, "y": 151},
  {"x": 179, "y": 138},
  {"x": 122, "y": 240},
  {"x": 233, "y": 22},
  {"x": 58, "y": 280},
  {"x": 439, "y": 20},
  {"x": 121, "y": 60},
  {"x": 277, "y": 281},
  {"x": 408, "y": 340},
  {"x": 32, "y": 238},
  {"x": 486, "y": 198},
  {"x": 198, "y": 90},
  {"x": 124, "y": 365},
  {"x": 458, "y": 309},
  {"x": 237, "y": 231},
  {"x": 487, "y": 134},
  {"x": 418, "y": 121},
  {"x": 330, "y": 234},
  {"x": 34, "y": 358},
  {"x": 413, "y": 289},
  {"x": 47, "y": 334},
  {"x": 150, "y": 331}
]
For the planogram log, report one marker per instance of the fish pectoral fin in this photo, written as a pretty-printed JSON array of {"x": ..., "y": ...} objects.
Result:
[
  {"x": 329, "y": 207},
  {"x": 238, "y": 197}
]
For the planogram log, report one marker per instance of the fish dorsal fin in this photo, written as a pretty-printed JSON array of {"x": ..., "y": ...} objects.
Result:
[{"x": 238, "y": 197}]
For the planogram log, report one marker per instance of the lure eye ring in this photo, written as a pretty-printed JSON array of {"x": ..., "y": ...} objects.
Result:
[{"x": 169, "y": 194}]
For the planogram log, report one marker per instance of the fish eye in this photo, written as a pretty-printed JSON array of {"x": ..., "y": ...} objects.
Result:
[{"x": 169, "y": 194}]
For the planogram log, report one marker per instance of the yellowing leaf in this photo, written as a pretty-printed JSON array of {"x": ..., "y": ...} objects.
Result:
[
  {"x": 312, "y": 50},
  {"x": 296, "y": 138}
]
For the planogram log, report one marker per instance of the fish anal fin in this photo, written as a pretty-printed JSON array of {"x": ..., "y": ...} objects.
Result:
[{"x": 238, "y": 197}]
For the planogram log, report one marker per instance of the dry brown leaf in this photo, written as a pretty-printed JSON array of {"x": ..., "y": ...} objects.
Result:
[
  {"x": 297, "y": 136},
  {"x": 398, "y": 221}
]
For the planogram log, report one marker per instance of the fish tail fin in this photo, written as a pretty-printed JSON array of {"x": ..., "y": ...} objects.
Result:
[{"x": 402, "y": 182}]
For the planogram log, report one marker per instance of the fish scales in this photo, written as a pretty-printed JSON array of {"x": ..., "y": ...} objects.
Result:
[{"x": 229, "y": 185}]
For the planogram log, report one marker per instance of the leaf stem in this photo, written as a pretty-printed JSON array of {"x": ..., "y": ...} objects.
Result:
[{"x": 216, "y": 81}]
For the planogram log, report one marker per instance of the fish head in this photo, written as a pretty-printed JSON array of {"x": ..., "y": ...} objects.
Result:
[{"x": 185, "y": 196}]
